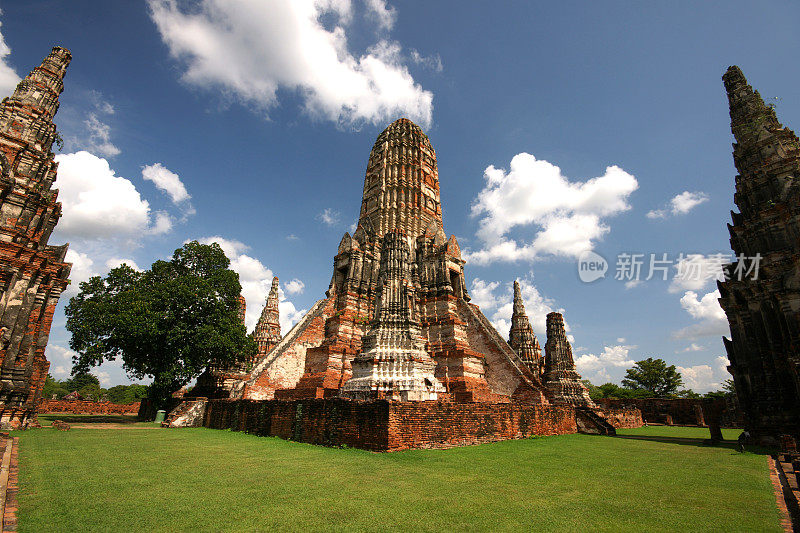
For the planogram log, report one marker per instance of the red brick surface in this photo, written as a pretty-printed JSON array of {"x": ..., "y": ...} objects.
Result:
[
  {"x": 382, "y": 425},
  {"x": 83, "y": 407}
]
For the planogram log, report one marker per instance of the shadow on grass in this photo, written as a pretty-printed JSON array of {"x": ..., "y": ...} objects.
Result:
[
  {"x": 88, "y": 419},
  {"x": 692, "y": 441}
]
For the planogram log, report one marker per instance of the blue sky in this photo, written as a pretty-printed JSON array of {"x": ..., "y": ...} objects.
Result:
[{"x": 558, "y": 127}]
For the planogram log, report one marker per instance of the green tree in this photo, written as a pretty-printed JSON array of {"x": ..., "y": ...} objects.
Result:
[
  {"x": 126, "y": 394},
  {"x": 53, "y": 387},
  {"x": 689, "y": 393},
  {"x": 654, "y": 376},
  {"x": 612, "y": 390},
  {"x": 81, "y": 380},
  {"x": 167, "y": 323}
]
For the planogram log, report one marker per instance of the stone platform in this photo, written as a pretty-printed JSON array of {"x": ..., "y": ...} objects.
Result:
[{"x": 383, "y": 425}]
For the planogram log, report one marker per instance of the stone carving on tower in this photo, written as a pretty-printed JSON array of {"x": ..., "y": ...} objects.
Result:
[
  {"x": 521, "y": 337},
  {"x": 560, "y": 375},
  {"x": 393, "y": 363},
  {"x": 763, "y": 304},
  {"x": 33, "y": 273}
]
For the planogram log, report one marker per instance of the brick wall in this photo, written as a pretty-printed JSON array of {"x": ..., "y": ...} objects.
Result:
[
  {"x": 680, "y": 411},
  {"x": 84, "y": 407},
  {"x": 382, "y": 425},
  {"x": 628, "y": 417}
]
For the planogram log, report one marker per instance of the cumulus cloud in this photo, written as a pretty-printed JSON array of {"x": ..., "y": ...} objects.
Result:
[
  {"x": 8, "y": 76},
  {"x": 97, "y": 203},
  {"x": 329, "y": 217},
  {"x": 596, "y": 367},
  {"x": 252, "y": 48},
  {"x": 166, "y": 181},
  {"x": 256, "y": 281},
  {"x": 693, "y": 347},
  {"x": 699, "y": 378},
  {"x": 114, "y": 262},
  {"x": 695, "y": 271},
  {"x": 499, "y": 307},
  {"x": 711, "y": 320},
  {"x": 680, "y": 204},
  {"x": 565, "y": 217},
  {"x": 295, "y": 286},
  {"x": 82, "y": 270}
]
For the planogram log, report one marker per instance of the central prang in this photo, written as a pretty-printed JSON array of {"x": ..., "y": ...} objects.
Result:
[{"x": 393, "y": 363}]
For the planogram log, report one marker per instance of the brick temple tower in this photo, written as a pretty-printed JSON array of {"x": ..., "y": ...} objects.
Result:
[
  {"x": 401, "y": 215},
  {"x": 33, "y": 274},
  {"x": 268, "y": 328},
  {"x": 560, "y": 375},
  {"x": 764, "y": 310},
  {"x": 521, "y": 337}
]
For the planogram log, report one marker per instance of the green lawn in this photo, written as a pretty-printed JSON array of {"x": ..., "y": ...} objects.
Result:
[{"x": 211, "y": 480}]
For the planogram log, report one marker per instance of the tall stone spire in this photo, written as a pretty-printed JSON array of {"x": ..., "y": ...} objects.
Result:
[
  {"x": 393, "y": 362},
  {"x": 33, "y": 273},
  {"x": 560, "y": 375},
  {"x": 268, "y": 329},
  {"x": 521, "y": 337},
  {"x": 760, "y": 298},
  {"x": 401, "y": 186}
]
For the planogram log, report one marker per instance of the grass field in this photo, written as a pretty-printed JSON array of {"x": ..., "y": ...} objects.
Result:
[{"x": 209, "y": 480}]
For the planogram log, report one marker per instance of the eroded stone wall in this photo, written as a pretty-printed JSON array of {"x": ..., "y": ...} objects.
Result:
[{"x": 84, "y": 407}]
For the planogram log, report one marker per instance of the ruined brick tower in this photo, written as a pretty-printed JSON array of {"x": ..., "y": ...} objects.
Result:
[
  {"x": 268, "y": 328},
  {"x": 401, "y": 215},
  {"x": 521, "y": 337},
  {"x": 560, "y": 375},
  {"x": 33, "y": 274},
  {"x": 764, "y": 313}
]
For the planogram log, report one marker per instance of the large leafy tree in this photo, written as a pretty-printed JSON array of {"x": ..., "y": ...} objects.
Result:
[
  {"x": 654, "y": 376},
  {"x": 166, "y": 323}
]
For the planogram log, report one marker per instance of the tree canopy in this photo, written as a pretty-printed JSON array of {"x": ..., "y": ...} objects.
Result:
[
  {"x": 167, "y": 322},
  {"x": 654, "y": 376}
]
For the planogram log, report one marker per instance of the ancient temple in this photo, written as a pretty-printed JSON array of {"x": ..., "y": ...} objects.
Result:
[
  {"x": 559, "y": 369},
  {"x": 761, "y": 297},
  {"x": 521, "y": 337},
  {"x": 33, "y": 274},
  {"x": 397, "y": 281}
]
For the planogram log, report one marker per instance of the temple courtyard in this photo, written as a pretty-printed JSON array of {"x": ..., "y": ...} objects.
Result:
[{"x": 110, "y": 473}]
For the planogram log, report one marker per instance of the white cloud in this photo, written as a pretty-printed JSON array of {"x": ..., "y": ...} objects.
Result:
[
  {"x": 633, "y": 283},
  {"x": 96, "y": 203},
  {"x": 499, "y": 308},
  {"x": 329, "y": 217},
  {"x": 99, "y": 137},
  {"x": 699, "y": 378},
  {"x": 680, "y": 204},
  {"x": 433, "y": 62},
  {"x": 723, "y": 363},
  {"x": 568, "y": 216},
  {"x": 295, "y": 286},
  {"x": 686, "y": 201},
  {"x": 384, "y": 15},
  {"x": 167, "y": 181},
  {"x": 613, "y": 356},
  {"x": 256, "y": 281},
  {"x": 161, "y": 225},
  {"x": 8, "y": 76},
  {"x": 292, "y": 237},
  {"x": 710, "y": 317},
  {"x": 114, "y": 262},
  {"x": 252, "y": 48},
  {"x": 693, "y": 347},
  {"x": 695, "y": 271},
  {"x": 81, "y": 270}
]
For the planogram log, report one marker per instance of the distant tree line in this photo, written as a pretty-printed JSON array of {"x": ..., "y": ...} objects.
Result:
[
  {"x": 653, "y": 378},
  {"x": 88, "y": 386}
]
